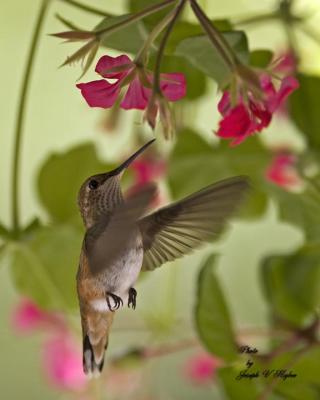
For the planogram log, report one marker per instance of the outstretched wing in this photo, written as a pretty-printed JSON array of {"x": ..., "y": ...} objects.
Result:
[
  {"x": 105, "y": 240},
  {"x": 176, "y": 230}
]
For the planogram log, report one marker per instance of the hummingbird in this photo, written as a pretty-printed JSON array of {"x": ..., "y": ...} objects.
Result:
[{"x": 122, "y": 238}]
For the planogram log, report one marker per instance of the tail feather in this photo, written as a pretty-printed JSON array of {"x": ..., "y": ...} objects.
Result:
[
  {"x": 93, "y": 360},
  {"x": 95, "y": 342}
]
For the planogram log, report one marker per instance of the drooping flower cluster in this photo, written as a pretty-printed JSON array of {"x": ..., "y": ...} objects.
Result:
[
  {"x": 201, "y": 368},
  {"x": 250, "y": 114},
  {"x": 62, "y": 360},
  {"x": 119, "y": 72},
  {"x": 283, "y": 172},
  {"x": 148, "y": 169}
]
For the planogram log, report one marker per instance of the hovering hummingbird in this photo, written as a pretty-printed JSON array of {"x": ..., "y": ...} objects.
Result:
[{"x": 121, "y": 239}]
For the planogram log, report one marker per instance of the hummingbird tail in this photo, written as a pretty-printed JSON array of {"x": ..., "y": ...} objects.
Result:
[{"x": 95, "y": 343}]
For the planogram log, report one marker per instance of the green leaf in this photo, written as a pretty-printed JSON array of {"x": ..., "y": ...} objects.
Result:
[
  {"x": 182, "y": 30},
  {"x": 304, "y": 108},
  {"x": 60, "y": 179},
  {"x": 3, "y": 251},
  {"x": 292, "y": 390},
  {"x": 255, "y": 205},
  {"x": 200, "y": 52},
  {"x": 292, "y": 284},
  {"x": 4, "y": 232},
  {"x": 151, "y": 21},
  {"x": 237, "y": 389},
  {"x": 307, "y": 366},
  {"x": 186, "y": 30},
  {"x": 33, "y": 225},
  {"x": 302, "y": 362},
  {"x": 300, "y": 209},
  {"x": 204, "y": 164},
  {"x": 136, "y": 32},
  {"x": 260, "y": 58},
  {"x": 196, "y": 81},
  {"x": 211, "y": 314},
  {"x": 44, "y": 267}
]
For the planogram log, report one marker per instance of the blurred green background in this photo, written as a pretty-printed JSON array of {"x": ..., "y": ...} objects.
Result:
[{"x": 58, "y": 118}]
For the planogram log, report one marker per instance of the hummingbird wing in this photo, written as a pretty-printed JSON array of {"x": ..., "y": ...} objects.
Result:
[
  {"x": 177, "y": 229},
  {"x": 105, "y": 240}
]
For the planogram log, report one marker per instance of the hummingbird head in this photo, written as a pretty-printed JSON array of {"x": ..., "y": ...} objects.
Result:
[{"x": 100, "y": 194}]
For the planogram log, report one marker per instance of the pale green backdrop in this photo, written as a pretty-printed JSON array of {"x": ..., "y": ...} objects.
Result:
[{"x": 57, "y": 118}]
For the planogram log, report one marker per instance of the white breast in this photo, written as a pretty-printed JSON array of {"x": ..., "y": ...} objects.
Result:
[
  {"x": 121, "y": 277},
  {"x": 100, "y": 305}
]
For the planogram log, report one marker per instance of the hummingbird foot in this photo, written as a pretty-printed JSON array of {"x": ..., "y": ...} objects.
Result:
[
  {"x": 116, "y": 299},
  {"x": 132, "y": 298}
]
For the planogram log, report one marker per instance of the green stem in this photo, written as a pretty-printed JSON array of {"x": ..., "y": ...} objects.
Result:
[
  {"x": 215, "y": 37},
  {"x": 156, "y": 81},
  {"x": 21, "y": 117},
  {"x": 67, "y": 23},
  {"x": 141, "y": 56},
  {"x": 256, "y": 19},
  {"x": 87, "y": 8},
  {"x": 135, "y": 17},
  {"x": 293, "y": 43}
]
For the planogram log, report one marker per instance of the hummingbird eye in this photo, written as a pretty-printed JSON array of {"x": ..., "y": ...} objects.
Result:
[{"x": 93, "y": 184}]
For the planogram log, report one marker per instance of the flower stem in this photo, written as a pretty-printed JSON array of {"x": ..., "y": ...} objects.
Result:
[
  {"x": 255, "y": 19},
  {"x": 135, "y": 17},
  {"x": 87, "y": 8},
  {"x": 21, "y": 117},
  {"x": 142, "y": 54},
  {"x": 156, "y": 81},
  {"x": 215, "y": 37}
]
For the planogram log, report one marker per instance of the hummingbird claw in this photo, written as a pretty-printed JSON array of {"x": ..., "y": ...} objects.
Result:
[
  {"x": 117, "y": 301},
  {"x": 132, "y": 298}
]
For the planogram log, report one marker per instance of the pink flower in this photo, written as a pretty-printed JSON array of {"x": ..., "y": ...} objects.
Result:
[
  {"x": 285, "y": 63},
  {"x": 250, "y": 115},
  {"x": 201, "y": 368},
  {"x": 62, "y": 362},
  {"x": 282, "y": 171},
  {"x": 120, "y": 72},
  {"x": 28, "y": 317},
  {"x": 147, "y": 170}
]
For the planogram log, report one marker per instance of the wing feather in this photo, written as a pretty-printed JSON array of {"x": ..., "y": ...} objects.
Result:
[{"x": 176, "y": 230}]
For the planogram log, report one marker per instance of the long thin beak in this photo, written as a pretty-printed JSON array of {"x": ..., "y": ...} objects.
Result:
[{"x": 126, "y": 164}]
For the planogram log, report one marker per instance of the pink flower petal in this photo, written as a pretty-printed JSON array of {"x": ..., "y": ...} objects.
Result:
[
  {"x": 137, "y": 96},
  {"x": 262, "y": 116},
  {"x": 145, "y": 171},
  {"x": 201, "y": 368},
  {"x": 282, "y": 171},
  {"x": 107, "y": 63},
  {"x": 288, "y": 85},
  {"x": 63, "y": 363},
  {"x": 236, "y": 124},
  {"x": 224, "y": 104},
  {"x": 99, "y": 93},
  {"x": 28, "y": 317},
  {"x": 286, "y": 63},
  {"x": 173, "y": 86},
  {"x": 148, "y": 170},
  {"x": 267, "y": 86},
  {"x": 248, "y": 118}
]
